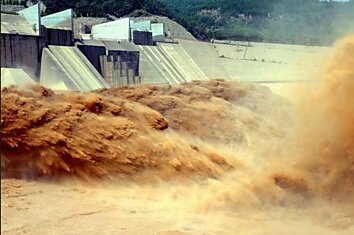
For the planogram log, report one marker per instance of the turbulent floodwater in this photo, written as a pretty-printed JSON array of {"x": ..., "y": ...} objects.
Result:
[{"x": 213, "y": 157}]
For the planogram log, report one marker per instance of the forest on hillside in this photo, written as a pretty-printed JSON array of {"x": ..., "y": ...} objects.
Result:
[
  {"x": 104, "y": 8},
  {"x": 309, "y": 22}
]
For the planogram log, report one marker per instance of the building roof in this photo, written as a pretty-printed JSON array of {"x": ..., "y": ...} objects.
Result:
[
  {"x": 16, "y": 24},
  {"x": 11, "y": 8},
  {"x": 113, "y": 45}
]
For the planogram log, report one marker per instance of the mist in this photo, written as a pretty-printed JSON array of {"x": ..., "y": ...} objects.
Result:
[{"x": 308, "y": 22}]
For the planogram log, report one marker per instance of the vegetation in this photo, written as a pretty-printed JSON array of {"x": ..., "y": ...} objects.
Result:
[
  {"x": 311, "y": 22},
  {"x": 13, "y": 2},
  {"x": 19, "y": 3},
  {"x": 101, "y": 8}
]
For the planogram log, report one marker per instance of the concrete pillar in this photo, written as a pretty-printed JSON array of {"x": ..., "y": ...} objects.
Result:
[
  {"x": 110, "y": 69},
  {"x": 130, "y": 73},
  {"x": 103, "y": 61},
  {"x": 124, "y": 72}
]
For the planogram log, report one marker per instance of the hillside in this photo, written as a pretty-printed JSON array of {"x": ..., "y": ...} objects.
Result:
[
  {"x": 308, "y": 22},
  {"x": 104, "y": 8}
]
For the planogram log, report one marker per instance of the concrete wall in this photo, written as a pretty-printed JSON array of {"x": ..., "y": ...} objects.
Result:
[
  {"x": 153, "y": 58},
  {"x": 131, "y": 57},
  {"x": 148, "y": 71},
  {"x": 17, "y": 77},
  {"x": 269, "y": 62},
  {"x": 182, "y": 61},
  {"x": 53, "y": 74},
  {"x": 16, "y": 24},
  {"x": 140, "y": 26},
  {"x": 115, "y": 30},
  {"x": 32, "y": 15},
  {"x": 158, "y": 32},
  {"x": 121, "y": 67},
  {"x": 64, "y": 66},
  {"x": 205, "y": 57},
  {"x": 93, "y": 53},
  {"x": 59, "y": 18},
  {"x": 59, "y": 37},
  {"x": 118, "y": 71},
  {"x": 22, "y": 51},
  {"x": 142, "y": 38}
]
